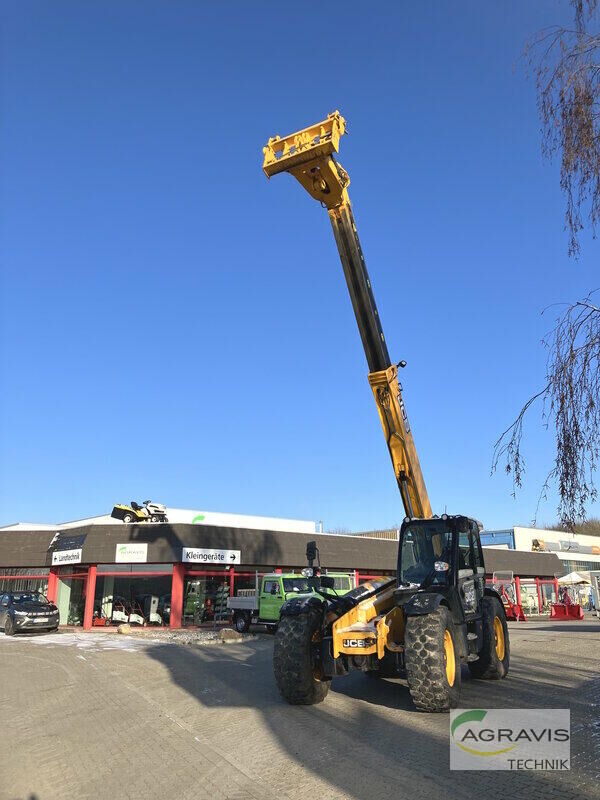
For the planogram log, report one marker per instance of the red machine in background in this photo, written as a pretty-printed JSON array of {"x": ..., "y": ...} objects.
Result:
[
  {"x": 505, "y": 586},
  {"x": 566, "y": 608}
]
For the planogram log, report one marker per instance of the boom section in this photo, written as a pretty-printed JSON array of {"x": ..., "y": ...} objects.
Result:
[{"x": 308, "y": 155}]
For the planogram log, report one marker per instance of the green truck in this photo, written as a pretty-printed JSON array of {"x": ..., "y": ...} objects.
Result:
[{"x": 262, "y": 606}]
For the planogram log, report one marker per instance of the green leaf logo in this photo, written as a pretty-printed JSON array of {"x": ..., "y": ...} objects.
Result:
[
  {"x": 198, "y": 518},
  {"x": 475, "y": 715}
]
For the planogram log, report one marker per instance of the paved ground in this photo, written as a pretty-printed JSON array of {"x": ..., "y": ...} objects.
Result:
[{"x": 105, "y": 716}]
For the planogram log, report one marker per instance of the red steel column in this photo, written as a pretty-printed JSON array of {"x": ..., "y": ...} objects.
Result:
[
  {"x": 53, "y": 584},
  {"x": 518, "y": 589},
  {"x": 539, "y": 592},
  {"x": 177, "y": 595},
  {"x": 556, "y": 590},
  {"x": 355, "y": 578},
  {"x": 90, "y": 591},
  {"x": 231, "y": 580}
]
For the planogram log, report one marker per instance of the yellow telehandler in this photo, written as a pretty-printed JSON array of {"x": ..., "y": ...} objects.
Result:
[{"x": 437, "y": 613}]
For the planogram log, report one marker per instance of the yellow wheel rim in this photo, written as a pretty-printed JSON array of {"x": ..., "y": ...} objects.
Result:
[
  {"x": 449, "y": 659},
  {"x": 499, "y": 637}
]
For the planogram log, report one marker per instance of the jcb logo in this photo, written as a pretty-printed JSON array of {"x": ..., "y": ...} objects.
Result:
[{"x": 354, "y": 643}]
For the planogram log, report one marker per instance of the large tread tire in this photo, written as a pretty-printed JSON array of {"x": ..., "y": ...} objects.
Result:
[
  {"x": 9, "y": 627},
  {"x": 490, "y": 666},
  {"x": 425, "y": 660},
  {"x": 292, "y": 661}
]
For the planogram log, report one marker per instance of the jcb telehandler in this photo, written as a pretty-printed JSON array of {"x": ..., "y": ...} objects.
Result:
[{"x": 437, "y": 613}]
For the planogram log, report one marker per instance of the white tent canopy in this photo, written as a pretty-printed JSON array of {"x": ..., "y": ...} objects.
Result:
[{"x": 575, "y": 577}]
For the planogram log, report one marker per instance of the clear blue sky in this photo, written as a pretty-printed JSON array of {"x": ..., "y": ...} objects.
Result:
[{"x": 175, "y": 326}]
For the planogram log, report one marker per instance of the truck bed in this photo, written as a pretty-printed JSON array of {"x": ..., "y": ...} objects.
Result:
[{"x": 243, "y": 603}]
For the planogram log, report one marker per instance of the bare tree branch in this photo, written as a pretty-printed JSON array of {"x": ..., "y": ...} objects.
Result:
[
  {"x": 565, "y": 63},
  {"x": 570, "y": 402}
]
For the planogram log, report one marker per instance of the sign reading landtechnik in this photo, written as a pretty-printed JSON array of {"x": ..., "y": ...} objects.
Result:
[
  {"x": 60, "y": 557},
  {"x": 510, "y": 739},
  {"x": 203, "y": 555}
]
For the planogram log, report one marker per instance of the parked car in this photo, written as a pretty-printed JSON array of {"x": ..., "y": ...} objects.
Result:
[{"x": 27, "y": 611}]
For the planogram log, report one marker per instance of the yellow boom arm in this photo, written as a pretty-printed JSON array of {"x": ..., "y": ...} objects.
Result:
[{"x": 309, "y": 156}]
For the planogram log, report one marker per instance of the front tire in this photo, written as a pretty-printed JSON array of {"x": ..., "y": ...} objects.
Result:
[
  {"x": 127, "y": 518},
  {"x": 432, "y": 661},
  {"x": 494, "y": 658},
  {"x": 241, "y": 622},
  {"x": 296, "y": 675},
  {"x": 9, "y": 627}
]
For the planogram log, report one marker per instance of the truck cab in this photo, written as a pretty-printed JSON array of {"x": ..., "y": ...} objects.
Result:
[{"x": 263, "y": 606}]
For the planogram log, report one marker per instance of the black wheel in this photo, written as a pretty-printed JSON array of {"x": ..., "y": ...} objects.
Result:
[
  {"x": 154, "y": 518},
  {"x": 9, "y": 627},
  {"x": 432, "y": 661},
  {"x": 296, "y": 674},
  {"x": 494, "y": 658},
  {"x": 127, "y": 518},
  {"x": 241, "y": 622}
]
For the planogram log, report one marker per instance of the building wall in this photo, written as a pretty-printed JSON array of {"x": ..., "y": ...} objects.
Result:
[{"x": 573, "y": 561}]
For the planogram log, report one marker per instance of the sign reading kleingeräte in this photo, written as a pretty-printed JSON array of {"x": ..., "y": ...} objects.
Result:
[
  {"x": 60, "y": 557},
  {"x": 203, "y": 555},
  {"x": 132, "y": 553},
  {"x": 510, "y": 739}
]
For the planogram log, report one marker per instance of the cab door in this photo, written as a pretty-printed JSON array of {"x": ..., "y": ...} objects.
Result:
[
  {"x": 467, "y": 578},
  {"x": 270, "y": 599},
  {"x": 478, "y": 565}
]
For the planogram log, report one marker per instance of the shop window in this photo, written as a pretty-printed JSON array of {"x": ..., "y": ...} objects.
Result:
[
  {"x": 71, "y": 595},
  {"x": 24, "y": 580},
  {"x": 205, "y": 598},
  {"x": 126, "y": 593}
]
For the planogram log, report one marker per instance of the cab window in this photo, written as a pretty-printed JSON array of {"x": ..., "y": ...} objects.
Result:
[
  {"x": 270, "y": 587},
  {"x": 476, "y": 549},
  {"x": 464, "y": 551}
]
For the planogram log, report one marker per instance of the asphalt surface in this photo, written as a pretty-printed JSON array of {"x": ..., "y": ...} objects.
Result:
[{"x": 101, "y": 715}]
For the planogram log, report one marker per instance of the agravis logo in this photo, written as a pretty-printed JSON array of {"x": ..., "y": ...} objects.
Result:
[{"x": 510, "y": 739}]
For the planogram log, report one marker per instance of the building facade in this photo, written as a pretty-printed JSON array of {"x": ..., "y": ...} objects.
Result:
[{"x": 182, "y": 574}]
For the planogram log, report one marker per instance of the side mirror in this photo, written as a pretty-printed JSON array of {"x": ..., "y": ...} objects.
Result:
[
  {"x": 327, "y": 582},
  {"x": 311, "y": 552},
  {"x": 273, "y": 589}
]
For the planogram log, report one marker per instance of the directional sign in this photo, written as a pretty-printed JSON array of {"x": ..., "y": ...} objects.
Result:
[
  {"x": 66, "y": 557},
  {"x": 202, "y": 555}
]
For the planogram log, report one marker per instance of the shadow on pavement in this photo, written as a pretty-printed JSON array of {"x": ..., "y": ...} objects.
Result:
[{"x": 352, "y": 742}]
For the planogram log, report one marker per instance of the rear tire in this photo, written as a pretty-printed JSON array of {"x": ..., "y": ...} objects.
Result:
[
  {"x": 432, "y": 661},
  {"x": 494, "y": 658},
  {"x": 295, "y": 673},
  {"x": 241, "y": 622},
  {"x": 127, "y": 518},
  {"x": 9, "y": 627}
]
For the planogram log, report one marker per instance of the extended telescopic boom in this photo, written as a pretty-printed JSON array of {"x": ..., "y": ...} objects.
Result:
[{"x": 309, "y": 156}]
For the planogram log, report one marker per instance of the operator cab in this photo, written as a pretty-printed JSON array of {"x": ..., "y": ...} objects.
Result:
[{"x": 431, "y": 552}]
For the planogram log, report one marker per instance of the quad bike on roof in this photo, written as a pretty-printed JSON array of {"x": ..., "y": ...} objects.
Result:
[
  {"x": 148, "y": 512},
  {"x": 437, "y": 613}
]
